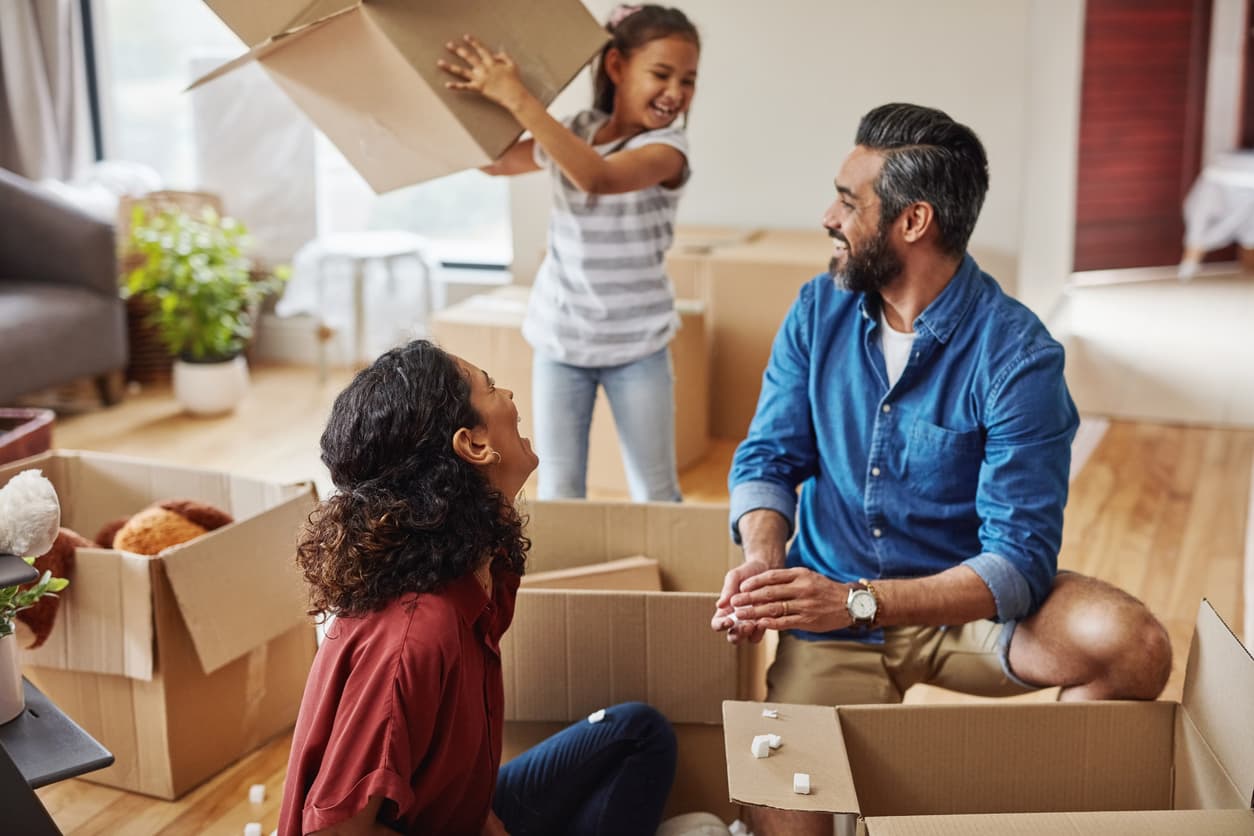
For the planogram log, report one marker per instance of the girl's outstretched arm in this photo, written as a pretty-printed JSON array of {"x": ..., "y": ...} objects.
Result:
[
  {"x": 495, "y": 77},
  {"x": 519, "y": 158}
]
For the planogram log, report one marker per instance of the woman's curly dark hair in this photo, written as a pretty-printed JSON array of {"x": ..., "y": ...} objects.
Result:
[{"x": 409, "y": 514}]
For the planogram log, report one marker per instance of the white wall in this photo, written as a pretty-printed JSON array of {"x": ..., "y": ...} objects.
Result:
[{"x": 782, "y": 86}]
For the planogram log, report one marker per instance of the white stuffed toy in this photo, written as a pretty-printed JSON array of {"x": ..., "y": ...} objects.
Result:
[{"x": 30, "y": 515}]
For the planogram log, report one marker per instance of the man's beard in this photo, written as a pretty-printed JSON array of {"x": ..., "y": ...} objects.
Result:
[{"x": 869, "y": 270}]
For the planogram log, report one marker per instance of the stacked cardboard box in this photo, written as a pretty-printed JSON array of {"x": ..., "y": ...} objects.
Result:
[
  {"x": 1099, "y": 768},
  {"x": 486, "y": 330},
  {"x": 181, "y": 663},
  {"x": 747, "y": 286},
  {"x": 573, "y": 651}
]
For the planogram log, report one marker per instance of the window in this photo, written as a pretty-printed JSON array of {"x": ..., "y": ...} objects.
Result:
[{"x": 148, "y": 51}]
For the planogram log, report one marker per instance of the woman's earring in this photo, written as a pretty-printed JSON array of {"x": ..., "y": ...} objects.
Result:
[{"x": 496, "y": 460}]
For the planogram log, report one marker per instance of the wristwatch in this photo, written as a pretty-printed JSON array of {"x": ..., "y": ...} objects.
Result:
[{"x": 862, "y": 604}]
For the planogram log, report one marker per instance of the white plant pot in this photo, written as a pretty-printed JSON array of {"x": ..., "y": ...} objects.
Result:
[
  {"x": 210, "y": 388},
  {"x": 12, "y": 696}
]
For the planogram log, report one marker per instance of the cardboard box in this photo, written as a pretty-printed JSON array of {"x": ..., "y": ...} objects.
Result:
[
  {"x": 181, "y": 663},
  {"x": 1096, "y": 768},
  {"x": 693, "y": 242},
  {"x": 364, "y": 72},
  {"x": 637, "y": 573},
  {"x": 570, "y": 652},
  {"x": 487, "y": 331},
  {"x": 747, "y": 288}
]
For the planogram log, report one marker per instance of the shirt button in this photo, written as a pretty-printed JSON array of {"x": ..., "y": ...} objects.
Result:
[
  {"x": 875, "y": 471},
  {"x": 877, "y": 532},
  {"x": 888, "y": 407}
]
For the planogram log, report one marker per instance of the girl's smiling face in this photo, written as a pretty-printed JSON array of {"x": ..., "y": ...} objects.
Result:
[{"x": 655, "y": 83}]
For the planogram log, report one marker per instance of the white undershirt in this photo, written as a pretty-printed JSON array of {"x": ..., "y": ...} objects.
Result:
[{"x": 896, "y": 347}]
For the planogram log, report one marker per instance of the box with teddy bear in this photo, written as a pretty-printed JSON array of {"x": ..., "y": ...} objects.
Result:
[{"x": 186, "y": 644}]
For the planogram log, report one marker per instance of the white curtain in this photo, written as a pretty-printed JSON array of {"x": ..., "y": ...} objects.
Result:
[{"x": 45, "y": 119}]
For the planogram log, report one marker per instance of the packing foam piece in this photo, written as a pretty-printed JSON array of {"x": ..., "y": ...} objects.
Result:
[
  {"x": 738, "y": 828},
  {"x": 253, "y": 828},
  {"x": 771, "y": 713},
  {"x": 257, "y": 793},
  {"x": 801, "y": 783},
  {"x": 775, "y": 740},
  {"x": 597, "y": 716},
  {"x": 761, "y": 746}
]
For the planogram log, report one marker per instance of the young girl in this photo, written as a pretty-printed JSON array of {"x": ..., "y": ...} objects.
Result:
[
  {"x": 419, "y": 554},
  {"x": 603, "y": 310}
]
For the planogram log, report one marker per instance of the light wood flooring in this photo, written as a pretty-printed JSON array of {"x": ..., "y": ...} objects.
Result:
[{"x": 1160, "y": 510}]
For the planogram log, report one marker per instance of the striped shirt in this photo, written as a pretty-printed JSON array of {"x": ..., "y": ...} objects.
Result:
[{"x": 602, "y": 296}]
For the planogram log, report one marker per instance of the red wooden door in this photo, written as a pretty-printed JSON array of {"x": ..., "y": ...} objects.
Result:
[{"x": 1141, "y": 111}]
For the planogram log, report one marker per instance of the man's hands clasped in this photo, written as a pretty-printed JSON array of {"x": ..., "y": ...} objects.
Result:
[{"x": 778, "y": 599}]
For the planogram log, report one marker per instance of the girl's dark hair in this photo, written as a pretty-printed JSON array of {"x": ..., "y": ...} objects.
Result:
[
  {"x": 637, "y": 28},
  {"x": 409, "y": 514}
]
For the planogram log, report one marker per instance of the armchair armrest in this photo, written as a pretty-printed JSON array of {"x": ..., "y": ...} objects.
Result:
[{"x": 43, "y": 238}]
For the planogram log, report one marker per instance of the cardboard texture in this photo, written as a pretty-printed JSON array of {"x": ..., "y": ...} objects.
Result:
[
  {"x": 1099, "y": 767},
  {"x": 364, "y": 72},
  {"x": 141, "y": 656},
  {"x": 486, "y": 330},
  {"x": 631, "y": 573},
  {"x": 693, "y": 242},
  {"x": 571, "y": 652},
  {"x": 747, "y": 289}
]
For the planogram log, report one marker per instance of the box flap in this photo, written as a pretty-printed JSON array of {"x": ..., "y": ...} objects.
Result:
[
  {"x": 104, "y": 624},
  {"x": 570, "y": 652},
  {"x": 264, "y": 49},
  {"x": 636, "y": 573},
  {"x": 1218, "y": 693},
  {"x": 255, "y": 22},
  {"x": 238, "y": 587},
  {"x": 920, "y": 759},
  {"x": 1127, "y": 823},
  {"x": 812, "y": 743}
]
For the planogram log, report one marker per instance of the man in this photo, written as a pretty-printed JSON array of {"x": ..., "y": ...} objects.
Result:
[{"x": 924, "y": 414}]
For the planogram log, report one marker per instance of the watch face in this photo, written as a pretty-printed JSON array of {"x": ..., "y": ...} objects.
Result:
[{"x": 862, "y": 605}]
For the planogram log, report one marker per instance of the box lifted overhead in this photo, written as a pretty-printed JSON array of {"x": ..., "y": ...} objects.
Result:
[{"x": 364, "y": 71}]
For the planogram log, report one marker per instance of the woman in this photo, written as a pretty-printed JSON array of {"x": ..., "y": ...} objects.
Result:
[{"x": 418, "y": 555}]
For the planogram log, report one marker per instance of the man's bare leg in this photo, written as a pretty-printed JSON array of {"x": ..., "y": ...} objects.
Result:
[
  {"x": 766, "y": 821},
  {"x": 1095, "y": 640}
]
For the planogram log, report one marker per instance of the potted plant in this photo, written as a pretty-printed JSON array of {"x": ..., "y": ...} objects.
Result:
[
  {"x": 204, "y": 297},
  {"x": 14, "y": 599}
]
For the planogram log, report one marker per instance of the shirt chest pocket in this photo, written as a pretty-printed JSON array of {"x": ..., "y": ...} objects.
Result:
[{"x": 943, "y": 465}]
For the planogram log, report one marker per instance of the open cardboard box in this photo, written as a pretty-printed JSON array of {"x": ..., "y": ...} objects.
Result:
[
  {"x": 487, "y": 331},
  {"x": 364, "y": 72},
  {"x": 570, "y": 652},
  {"x": 1100, "y": 768},
  {"x": 180, "y": 663}
]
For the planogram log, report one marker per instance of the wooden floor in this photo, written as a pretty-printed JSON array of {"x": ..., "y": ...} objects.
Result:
[{"x": 1159, "y": 510}]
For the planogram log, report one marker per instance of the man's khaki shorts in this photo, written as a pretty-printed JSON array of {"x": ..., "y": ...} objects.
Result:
[{"x": 971, "y": 658}]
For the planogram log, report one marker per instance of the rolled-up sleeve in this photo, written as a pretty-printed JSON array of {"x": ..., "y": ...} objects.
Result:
[
  {"x": 1031, "y": 421},
  {"x": 779, "y": 452}
]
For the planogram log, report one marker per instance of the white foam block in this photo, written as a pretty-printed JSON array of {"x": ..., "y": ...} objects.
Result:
[
  {"x": 770, "y": 712},
  {"x": 761, "y": 746},
  {"x": 801, "y": 783},
  {"x": 775, "y": 740},
  {"x": 257, "y": 793},
  {"x": 738, "y": 828},
  {"x": 597, "y": 716},
  {"x": 253, "y": 828}
]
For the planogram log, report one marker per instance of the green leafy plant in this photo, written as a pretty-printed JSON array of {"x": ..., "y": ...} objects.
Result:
[
  {"x": 194, "y": 271},
  {"x": 14, "y": 599}
]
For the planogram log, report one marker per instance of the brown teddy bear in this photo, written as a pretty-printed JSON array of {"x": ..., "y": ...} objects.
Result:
[
  {"x": 59, "y": 560},
  {"x": 161, "y": 525}
]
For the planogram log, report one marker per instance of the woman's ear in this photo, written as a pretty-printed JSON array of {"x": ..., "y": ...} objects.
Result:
[
  {"x": 614, "y": 65},
  {"x": 472, "y": 446}
]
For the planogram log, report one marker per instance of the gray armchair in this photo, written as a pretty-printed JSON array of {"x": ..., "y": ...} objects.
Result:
[{"x": 60, "y": 314}]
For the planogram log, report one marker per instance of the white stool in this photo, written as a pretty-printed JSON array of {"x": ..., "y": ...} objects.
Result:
[{"x": 359, "y": 249}]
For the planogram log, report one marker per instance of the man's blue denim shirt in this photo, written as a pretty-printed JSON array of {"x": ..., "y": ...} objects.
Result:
[{"x": 965, "y": 460}]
